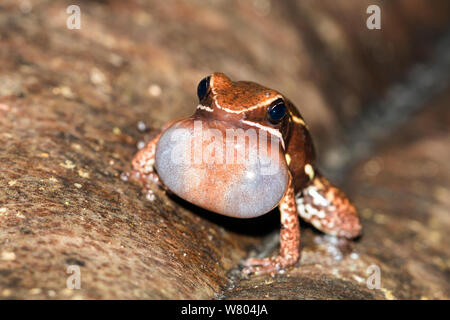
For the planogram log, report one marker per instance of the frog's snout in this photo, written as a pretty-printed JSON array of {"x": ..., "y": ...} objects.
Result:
[{"x": 235, "y": 173}]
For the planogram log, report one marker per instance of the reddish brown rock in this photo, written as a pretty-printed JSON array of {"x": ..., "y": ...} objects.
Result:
[{"x": 70, "y": 102}]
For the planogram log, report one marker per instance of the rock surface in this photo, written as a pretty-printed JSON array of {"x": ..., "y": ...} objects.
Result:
[
  {"x": 402, "y": 192},
  {"x": 71, "y": 101}
]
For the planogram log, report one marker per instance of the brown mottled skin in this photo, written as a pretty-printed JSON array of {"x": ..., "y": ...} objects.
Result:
[{"x": 308, "y": 194}]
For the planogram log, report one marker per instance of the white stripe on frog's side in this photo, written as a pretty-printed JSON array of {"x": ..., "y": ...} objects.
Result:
[{"x": 273, "y": 131}]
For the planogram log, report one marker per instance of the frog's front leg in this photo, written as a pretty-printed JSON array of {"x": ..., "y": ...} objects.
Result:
[
  {"x": 144, "y": 161},
  {"x": 143, "y": 164},
  {"x": 328, "y": 209},
  {"x": 289, "y": 239}
]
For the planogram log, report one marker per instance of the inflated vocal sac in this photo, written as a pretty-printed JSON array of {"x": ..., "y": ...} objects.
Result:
[{"x": 212, "y": 171}]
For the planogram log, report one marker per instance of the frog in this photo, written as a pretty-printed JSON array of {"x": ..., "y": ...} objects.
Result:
[{"x": 240, "y": 188}]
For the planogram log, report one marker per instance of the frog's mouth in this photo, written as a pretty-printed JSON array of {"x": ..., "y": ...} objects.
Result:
[{"x": 223, "y": 170}]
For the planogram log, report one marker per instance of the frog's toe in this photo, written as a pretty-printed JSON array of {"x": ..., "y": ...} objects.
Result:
[
  {"x": 146, "y": 180},
  {"x": 271, "y": 265},
  {"x": 260, "y": 269},
  {"x": 257, "y": 262},
  {"x": 153, "y": 178}
]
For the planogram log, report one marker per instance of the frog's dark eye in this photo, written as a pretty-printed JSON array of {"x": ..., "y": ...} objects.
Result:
[
  {"x": 276, "y": 111},
  {"x": 202, "y": 88}
]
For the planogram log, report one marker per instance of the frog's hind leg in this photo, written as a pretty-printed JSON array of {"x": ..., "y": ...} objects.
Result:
[{"x": 328, "y": 209}]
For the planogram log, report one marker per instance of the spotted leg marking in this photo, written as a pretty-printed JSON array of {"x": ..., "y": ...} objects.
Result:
[
  {"x": 289, "y": 240},
  {"x": 328, "y": 209}
]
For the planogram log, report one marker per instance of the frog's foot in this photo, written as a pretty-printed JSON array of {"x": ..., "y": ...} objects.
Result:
[
  {"x": 147, "y": 179},
  {"x": 270, "y": 265}
]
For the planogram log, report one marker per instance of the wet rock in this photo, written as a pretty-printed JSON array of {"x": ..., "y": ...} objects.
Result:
[{"x": 71, "y": 105}]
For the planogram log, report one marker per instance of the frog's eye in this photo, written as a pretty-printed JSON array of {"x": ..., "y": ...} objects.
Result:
[
  {"x": 202, "y": 88},
  {"x": 276, "y": 111}
]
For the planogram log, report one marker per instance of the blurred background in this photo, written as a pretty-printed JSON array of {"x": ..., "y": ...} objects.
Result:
[{"x": 377, "y": 102}]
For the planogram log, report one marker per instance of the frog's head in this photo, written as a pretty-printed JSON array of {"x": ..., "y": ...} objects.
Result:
[
  {"x": 229, "y": 156},
  {"x": 240, "y": 102}
]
